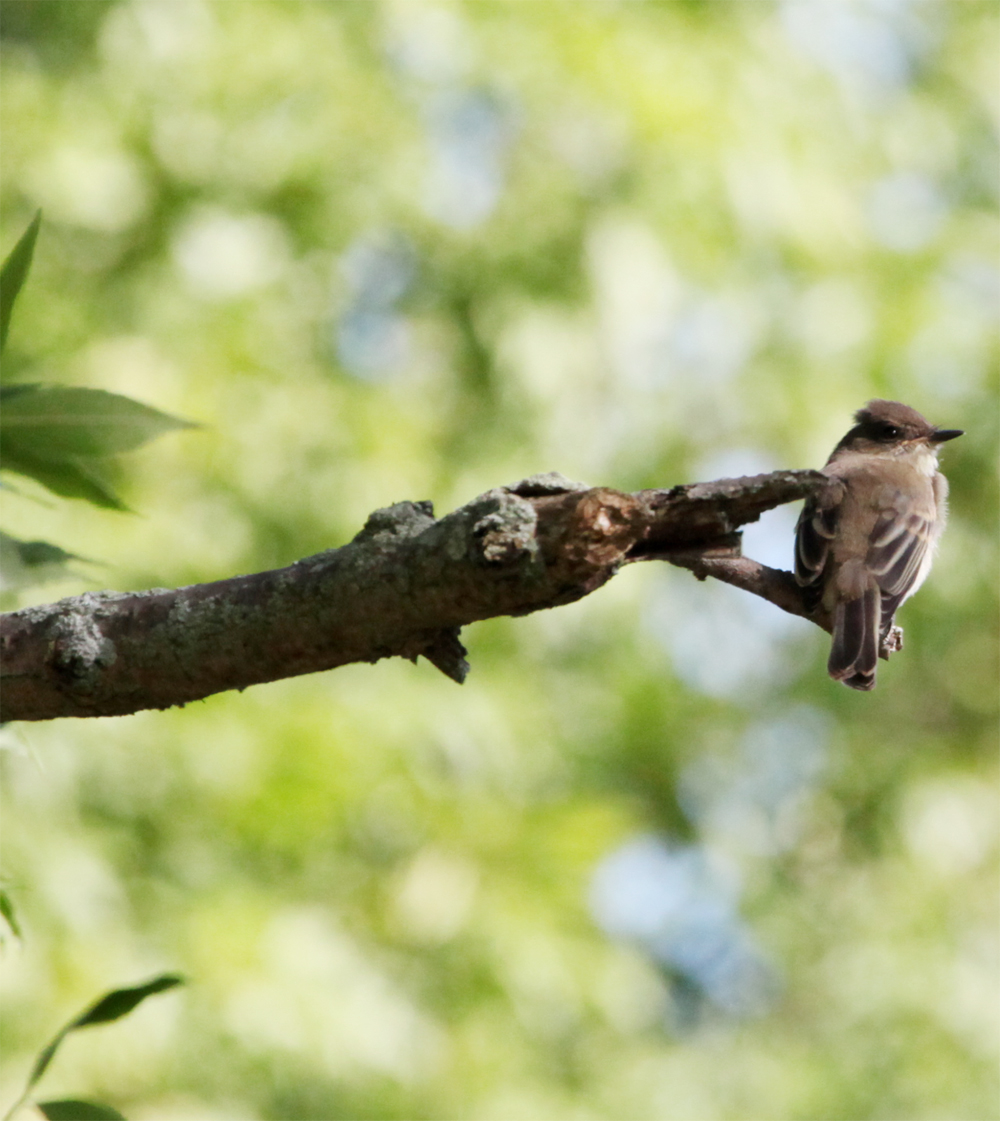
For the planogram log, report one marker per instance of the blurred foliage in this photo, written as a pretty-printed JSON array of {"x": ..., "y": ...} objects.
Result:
[
  {"x": 14, "y": 272},
  {"x": 648, "y": 861},
  {"x": 60, "y": 437},
  {"x": 108, "y": 1008}
]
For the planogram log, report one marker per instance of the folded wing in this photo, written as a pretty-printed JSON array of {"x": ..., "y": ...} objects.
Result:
[{"x": 900, "y": 547}]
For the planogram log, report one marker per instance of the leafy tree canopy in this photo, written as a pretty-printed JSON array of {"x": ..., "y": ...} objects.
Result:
[{"x": 648, "y": 861}]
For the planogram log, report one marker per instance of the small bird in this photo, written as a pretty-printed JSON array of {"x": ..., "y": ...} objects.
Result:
[{"x": 866, "y": 542}]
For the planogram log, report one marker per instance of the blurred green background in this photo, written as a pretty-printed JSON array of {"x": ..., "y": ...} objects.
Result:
[{"x": 648, "y": 862}]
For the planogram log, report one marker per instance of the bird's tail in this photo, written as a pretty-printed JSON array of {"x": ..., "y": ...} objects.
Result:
[{"x": 854, "y": 653}]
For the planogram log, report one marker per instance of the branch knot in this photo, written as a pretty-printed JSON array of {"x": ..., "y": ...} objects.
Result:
[{"x": 505, "y": 536}]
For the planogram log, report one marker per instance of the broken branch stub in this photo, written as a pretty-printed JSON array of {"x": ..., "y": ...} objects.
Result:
[{"x": 405, "y": 586}]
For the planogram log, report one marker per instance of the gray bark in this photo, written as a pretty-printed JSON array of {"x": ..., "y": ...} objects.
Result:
[{"x": 404, "y": 586}]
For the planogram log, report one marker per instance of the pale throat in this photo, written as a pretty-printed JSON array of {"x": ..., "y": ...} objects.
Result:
[{"x": 924, "y": 459}]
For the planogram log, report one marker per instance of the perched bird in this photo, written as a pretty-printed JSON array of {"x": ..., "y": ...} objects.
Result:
[{"x": 866, "y": 542}]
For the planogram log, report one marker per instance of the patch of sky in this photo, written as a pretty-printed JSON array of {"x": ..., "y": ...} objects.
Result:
[
  {"x": 755, "y": 802},
  {"x": 770, "y": 539},
  {"x": 948, "y": 357},
  {"x": 372, "y": 337},
  {"x": 427, "y": 43},
  {"x": 657, "y": 328},
  {"x": 713, "y": 337},
  {"x": 722, "y": 641},
  {"x": 949, "y": 353},
  {"x": 469, "y": 129},
  {"x": 871, "y": 47},
  {"x": 972, "y": 282},
  {"x": 469, "y": 133},
  {"x": 832, "y": 317},
  {"x": 905, "y": 211},
  {"x": 679, "y": 903}
]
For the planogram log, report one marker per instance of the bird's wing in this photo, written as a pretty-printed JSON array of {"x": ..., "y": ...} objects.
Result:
[
  {"x": 816, "y": 528},
  {"x": 900, "y": 543}
]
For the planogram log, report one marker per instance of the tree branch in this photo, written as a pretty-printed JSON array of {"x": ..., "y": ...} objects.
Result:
[
  {"x": 403, "y": 587},
  {"x": 772, "y": 584}
]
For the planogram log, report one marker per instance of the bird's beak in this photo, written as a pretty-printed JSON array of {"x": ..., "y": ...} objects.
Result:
[{"x": 942, "y": 434}]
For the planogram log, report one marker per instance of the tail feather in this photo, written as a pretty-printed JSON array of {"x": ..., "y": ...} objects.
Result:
[{"x": 854, "y": 653}]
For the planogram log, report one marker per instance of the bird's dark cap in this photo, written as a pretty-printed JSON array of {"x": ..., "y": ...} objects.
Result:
[
  {"x": 892, "y": 412},
  {"x": 909, "y": 421}
]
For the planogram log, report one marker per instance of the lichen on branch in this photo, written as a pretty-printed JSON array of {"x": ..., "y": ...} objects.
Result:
[{"x": 403, "y": 587}]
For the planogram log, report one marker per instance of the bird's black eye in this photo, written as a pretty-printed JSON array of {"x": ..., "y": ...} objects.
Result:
[{"x": 889, "y": 431}]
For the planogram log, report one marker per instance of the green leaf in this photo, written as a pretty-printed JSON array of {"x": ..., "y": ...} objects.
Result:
[
  {"x": 25, "y": 564},
  {"x": 114, "y": 1005},
  {"x": 9, "y": 914},
  {"x": 9, "y": 391},
  {"x": 14, "y": 272},
  {"x": 37, "y": 554},
  {"x": 59, "y": 424},
  {"x": 111, "y": 1006},
  {"x": 71, "y": 1109},
  {"x": 70, "y": 479},
  {"x": 43, "y": 1058}
]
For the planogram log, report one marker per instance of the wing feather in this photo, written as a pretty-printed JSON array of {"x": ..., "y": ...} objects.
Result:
[
  {"x": 900, "y": 543},
  {"x": 816, "y": 528}
]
